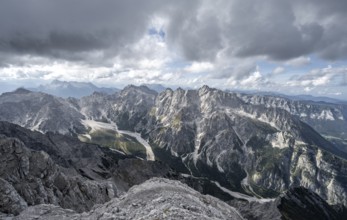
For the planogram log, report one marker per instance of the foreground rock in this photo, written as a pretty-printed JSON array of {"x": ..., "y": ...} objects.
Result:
[
  {"x": 160, "y": 198},
  {"x": 155, "y": 199}
]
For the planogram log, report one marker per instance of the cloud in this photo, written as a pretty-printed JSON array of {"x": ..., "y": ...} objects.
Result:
[
  {"x": 198, "y": 67},
  {"x": 73, "y": 30},
  {"x": 298, "y": 62},
  {"x": 252, "y": 79},
  {"x": 243, "y": 28},
  {"x": 320, "y": 77},
  {"x": 278, "y": 70},
  {"x": 198, "y": 30},
  {"x": 221, "y": 42}
]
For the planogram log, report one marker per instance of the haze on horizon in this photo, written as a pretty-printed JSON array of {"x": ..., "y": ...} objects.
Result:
[{"x": 291, "y": 47}]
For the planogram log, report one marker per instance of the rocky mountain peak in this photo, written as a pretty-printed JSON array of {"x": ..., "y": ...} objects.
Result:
[
  {"x": 142, "y": 88},
  {"x": 204, "y": 89},
  {"x": 21, "y": 91}
]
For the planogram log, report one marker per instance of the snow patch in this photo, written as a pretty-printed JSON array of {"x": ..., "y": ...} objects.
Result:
[
  {"x": 326, "y": 115},
  {"x": 240, "y": 195},
  {"x": 197, "y": 147},
  {"x": 303, "y": 115},
  {"x": 220, "y": 169}
]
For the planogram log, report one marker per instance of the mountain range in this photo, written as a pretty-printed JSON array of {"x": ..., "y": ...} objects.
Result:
[
  {"x": 245, "y": 149},
  {"x": 74, "y": 89}
]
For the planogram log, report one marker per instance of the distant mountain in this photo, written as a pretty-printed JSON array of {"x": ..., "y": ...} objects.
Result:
[
  {"x": 291, "y": 97},
  {"x": 156, "y": 87},
  {"x": 40, "y": 111},
  {"x": 71, "y": 89},
  {"x": 317, "y": 99}
]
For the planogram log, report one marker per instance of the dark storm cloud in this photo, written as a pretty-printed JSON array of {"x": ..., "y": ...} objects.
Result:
[
  {"x": 76, "y": 30},
  {"x": 198, "y": 38},
  {"x": 54, "y": 41},
  {"x": 277, "y": 29},
  {"x": 69, "y": 29}
]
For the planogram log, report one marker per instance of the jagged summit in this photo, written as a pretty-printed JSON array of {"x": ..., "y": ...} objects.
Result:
[
  {"x": 206, "y": 88},
  {"x": 57, "y": 82},
  {"x": 22, "y": 91}
]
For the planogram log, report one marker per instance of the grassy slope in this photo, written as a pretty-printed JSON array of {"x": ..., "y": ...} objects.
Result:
[{"x": 112, "y": 139}]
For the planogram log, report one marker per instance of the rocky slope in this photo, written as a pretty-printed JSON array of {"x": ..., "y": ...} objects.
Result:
[
  {"x": 56, "y": 169},
  {"x": 31, "y": 177}
]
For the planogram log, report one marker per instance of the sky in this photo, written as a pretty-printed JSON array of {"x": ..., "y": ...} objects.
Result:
[{"x": 286, "y": 46}]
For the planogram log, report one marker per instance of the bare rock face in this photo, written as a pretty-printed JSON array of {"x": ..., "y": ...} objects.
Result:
[
  {"x": 10, "y": 200},
  {"x": 154, "y": 199}
]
